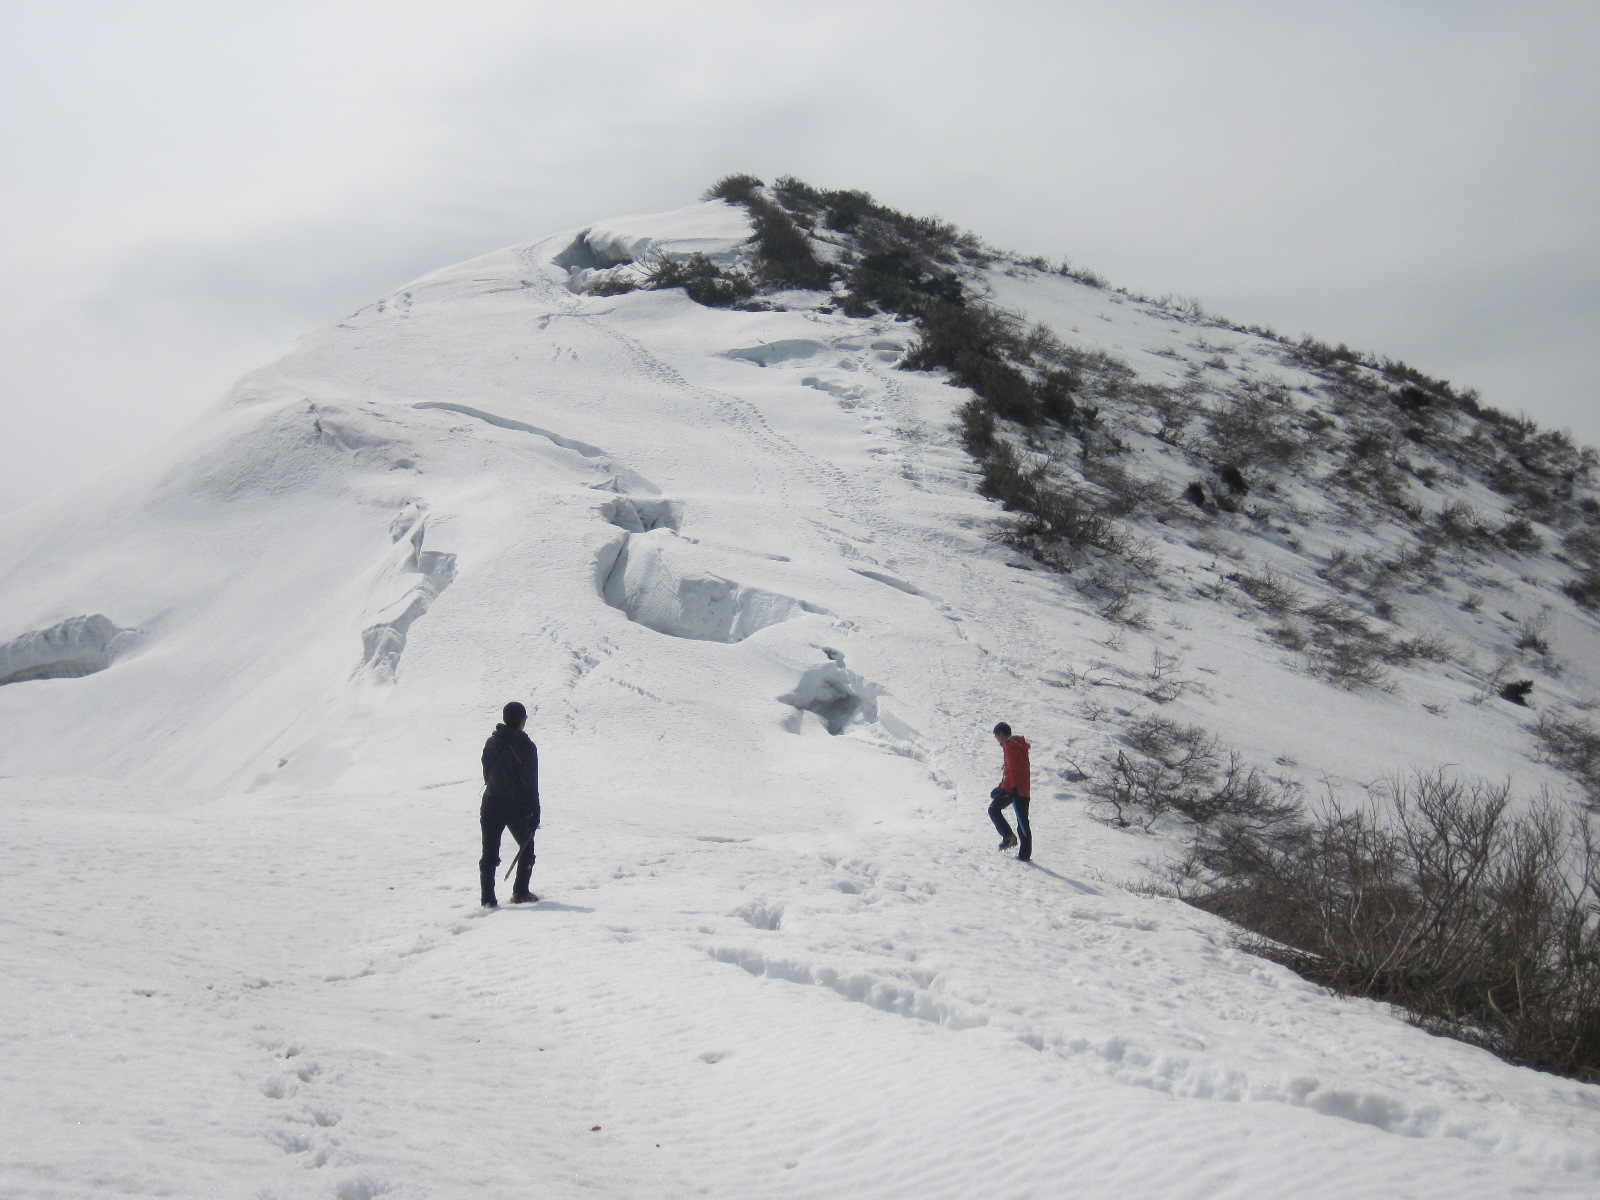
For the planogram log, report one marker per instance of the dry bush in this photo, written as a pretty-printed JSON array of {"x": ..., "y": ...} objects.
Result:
[
  {"x": 1585, "y": 590},
  {"x": 1060, "y": 520},
  {"x": 702, "y": 280},
  {"x": 1081, "y": 274},
  {"x": 614, "y": 285},
  {"x": 1117, "y": 596},
  {"x": 1458, "y": 525},
  {"x": 1416, "y": 567},
  {"x": 1425, "y": 647},
  {"x": 1215, "y": 546},
  {"x": 1369, "y": 446},
  {"x": 1173, "y": 409},
  {"x": 1434, "y": 896},
  {"x": 735, "y": 189},
  {"x": 1341, "y": 647},
  {"x": 1183, "y": 769},
  {"x": 1583, "y": 546},
  {"x": 783, "y": 252},
  {"x": 1165, "y": 683},
  {"x": 1256, "y": 427},
  {"x": 1126, "y": 493},
  {"x": 1572, "y": 745},
  {"x": 1268, "y": 589},
  {"x": 1492, "y": 680},
  {"x": 1533, "y": 632},
  {"x": 1347, "y": 571},
  {"x": 1290, "y": 637},
  {"x": 1519, "y": 536},
  {"x": 1349, "y": 664},
  {"x": 1335, "y": 620}
]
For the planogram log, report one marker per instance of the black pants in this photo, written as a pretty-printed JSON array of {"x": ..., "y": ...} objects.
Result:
[
  {"x": 497, "y": 816},
  {"x": 1002, "y": 799}
]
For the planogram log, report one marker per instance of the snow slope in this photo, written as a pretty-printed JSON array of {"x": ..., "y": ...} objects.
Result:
[{"x": 735, "y": 564}]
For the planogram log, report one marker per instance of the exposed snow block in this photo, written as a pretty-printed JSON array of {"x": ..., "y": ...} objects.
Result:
[
  {"x": 759, "y": 915},
  {"x": 849, "y": 395},
  {"x": 344, "y": 430},
  {"x": 488, "y": 418},
  {"x": 771, "y": 353},
  {"x": 641, "y": 516},
  {"x": 76, "y": 647},
  {"x": 585, "y": 263},
  {"x": 623, "y": 481},
  {"x": 651, "y": 582},
  {"x": 580, "y": 255},
  {"x": 837, "y": 695},
  {"x": 840, "y": 699},
  {"x": 719, "y": 231},
  {"x": 900, "y": 585},
  {"x": 383, "y": 643}
]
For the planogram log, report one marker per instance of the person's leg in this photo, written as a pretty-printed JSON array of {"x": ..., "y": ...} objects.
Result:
[
  {"x": 492, "y": 821},
  {"x": 997, "y": 815},
  {"x": 522, "y": 829},
  {"x": 1024, "y": 829}
]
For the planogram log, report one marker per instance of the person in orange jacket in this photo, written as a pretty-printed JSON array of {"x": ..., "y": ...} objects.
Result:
[{"x": 1013, "y": 791}]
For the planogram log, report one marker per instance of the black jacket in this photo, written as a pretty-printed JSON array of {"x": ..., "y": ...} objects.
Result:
[{"x": 511, "y": 771}]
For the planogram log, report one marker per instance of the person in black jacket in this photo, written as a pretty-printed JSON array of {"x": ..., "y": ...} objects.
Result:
[{"x": 510, "y": 801}]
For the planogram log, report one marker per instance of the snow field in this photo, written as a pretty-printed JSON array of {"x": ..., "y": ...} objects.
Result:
[
  {"x": 734, "y": 565},
  {"x": 926, "y": 1015}
]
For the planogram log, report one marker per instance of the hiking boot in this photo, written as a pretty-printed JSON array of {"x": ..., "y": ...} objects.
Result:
[
  {"x": 1008, "y": 843},
  {"x": 524, "y": 898},
  {"x": 491, "y": 902}
]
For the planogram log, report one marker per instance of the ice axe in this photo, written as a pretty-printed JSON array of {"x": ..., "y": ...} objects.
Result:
[{"x": 521, "y": 850}]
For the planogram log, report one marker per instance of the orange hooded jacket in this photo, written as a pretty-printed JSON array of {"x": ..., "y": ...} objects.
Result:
[{"x": 1016, "y": 776}]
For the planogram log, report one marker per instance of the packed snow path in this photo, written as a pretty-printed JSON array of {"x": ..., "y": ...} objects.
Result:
[{"x": 735, "y": 566}]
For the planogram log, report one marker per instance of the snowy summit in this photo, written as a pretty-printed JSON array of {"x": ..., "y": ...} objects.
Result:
[{"x": 768, "y": 509}]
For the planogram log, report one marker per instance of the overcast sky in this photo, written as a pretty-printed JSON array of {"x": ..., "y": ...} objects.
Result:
[{"x": 190, "y": 184}]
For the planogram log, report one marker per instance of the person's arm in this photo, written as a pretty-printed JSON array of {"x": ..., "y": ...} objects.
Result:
[
  {"x": 528, "y": 761},
  {"x": 535, "y": 775},
  {"x": 488, "y": 760}
]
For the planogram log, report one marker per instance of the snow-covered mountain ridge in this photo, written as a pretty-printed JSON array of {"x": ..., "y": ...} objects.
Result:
[{"x": 737, "y": 563}]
